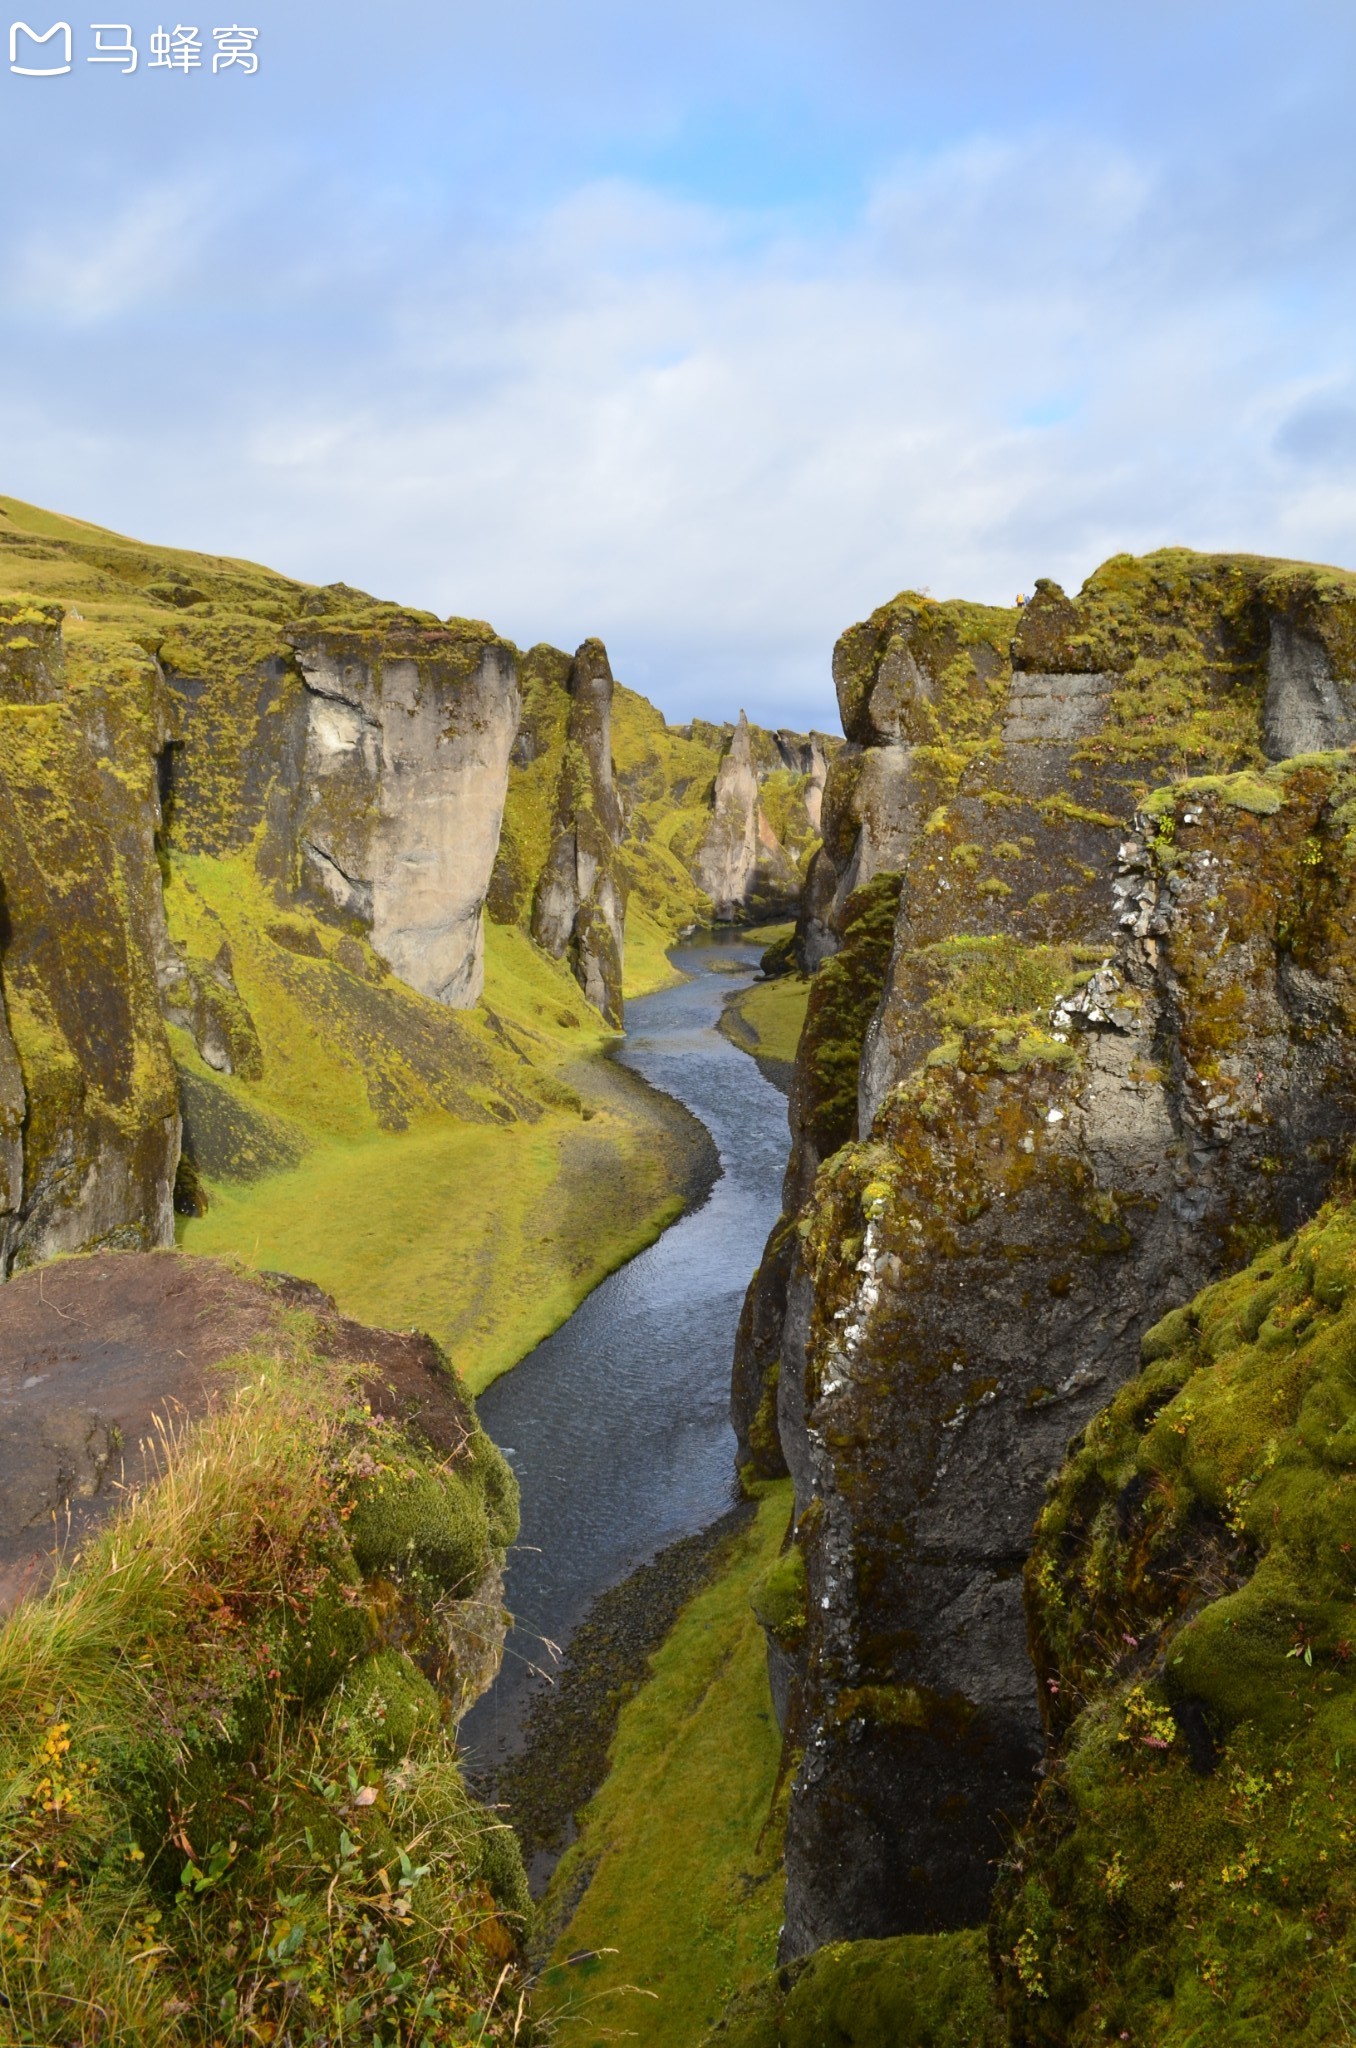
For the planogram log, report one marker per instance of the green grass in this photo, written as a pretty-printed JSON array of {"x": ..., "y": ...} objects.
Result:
[
  {"x": 229, "y": 1810},
  {"x": 647, "y": 966},
  {"x": 682, "y": 1839},
  {"x": 461, "y": 1169},
  {"x": 460, "y": 1230},
  {"x": 773, "y": 1014},
  {"x": 914, "y": 1991}
]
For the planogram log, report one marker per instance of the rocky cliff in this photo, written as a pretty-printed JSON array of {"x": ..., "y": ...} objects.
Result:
[
  {"x": 89, "y": 1113},
  {"x": 741, "y": 863},
  {"x": 404, "y": 772},
  {"x": 611, "y": 813},
  {"x": 579, "y": 904},
  {"x": 1185, "y": 1871},
  {"x": 367, "y": 759},
  {"x": 1074, "y": 1049},
  {"x": 315, "y": 782}
]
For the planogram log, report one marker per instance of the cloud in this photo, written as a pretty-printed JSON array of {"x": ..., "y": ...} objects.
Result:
[
  {"x": 714, "y": 432},
  {"x": 87, "y": 270},
  {"x": 1320, "y": 434}
]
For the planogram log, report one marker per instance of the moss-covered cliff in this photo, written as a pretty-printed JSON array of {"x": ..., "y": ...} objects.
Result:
[
  {"x": 88, "y": 1102},
  {"x": 314, "y": 783},
  {"x": 1100, "y": 1053},
  {"x": 1185, "y": 1871}
]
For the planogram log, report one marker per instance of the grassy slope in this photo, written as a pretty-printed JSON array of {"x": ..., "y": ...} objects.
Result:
[
  {"x": 482, "y": 1219},
  {"x": 487, "y": 1233},
  {"x": 687, "y": 1884},
  {"x": 771, "y": 1014},
  {"x": 229, "y": 1814}
]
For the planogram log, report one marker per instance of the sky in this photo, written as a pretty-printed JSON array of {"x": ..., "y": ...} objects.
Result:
[{"x": 702, "y": 327}]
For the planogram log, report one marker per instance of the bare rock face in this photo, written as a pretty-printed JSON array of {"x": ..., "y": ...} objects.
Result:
[
  {"x": 1308, "y": 709},
  {"x": 579, "y": 906},
  {"x": 404, "y": 770},
  {"x": 806, "y": 754},
  {"x": 741, "y": 863},
  {"x": 89, "y": 1117},
  {"x": 1065, "y": 1059}
]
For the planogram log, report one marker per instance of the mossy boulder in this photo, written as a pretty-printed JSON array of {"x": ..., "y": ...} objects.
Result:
[
  {"x": 430, "y": 1527},
  {"x": 1184, "y": 1872},
  {"x": 219, "y": 1728}
]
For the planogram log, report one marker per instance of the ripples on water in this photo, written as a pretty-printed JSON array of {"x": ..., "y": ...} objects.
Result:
[{"x": 618, "y": 1425}]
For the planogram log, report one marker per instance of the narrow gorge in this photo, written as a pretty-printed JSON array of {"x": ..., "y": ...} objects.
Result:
[{"x": 393, "y": 1017}]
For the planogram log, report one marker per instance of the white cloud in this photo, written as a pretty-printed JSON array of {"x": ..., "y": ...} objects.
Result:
[
  {"x": 712, "y": 435},
  {"x": 85, "y": 271}
]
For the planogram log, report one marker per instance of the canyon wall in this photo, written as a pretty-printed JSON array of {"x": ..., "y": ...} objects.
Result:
[
  {"x": 404, "y": 775},
  {"x": 1072, "y": 1050},
  {"x": 579, "y": 904},
  {"x": 89, "y": 1113},
  {"x": 741, "y": 863},
  {"x": 342, "y": 782}
]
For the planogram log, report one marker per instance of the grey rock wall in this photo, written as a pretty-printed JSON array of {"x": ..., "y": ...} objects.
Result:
[
  {"x": 403, "y": 779},
  {"x": 741, "y": 863},
  {"x": 579, "y": 906},
  {"x": 1100, "y": 1066}
]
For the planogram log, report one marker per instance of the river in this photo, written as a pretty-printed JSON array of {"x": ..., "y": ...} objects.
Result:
[{"x": 617, "y": 1426}]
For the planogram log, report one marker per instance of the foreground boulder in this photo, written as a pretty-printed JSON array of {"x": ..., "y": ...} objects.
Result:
[{"x": 232, "y": 1808}]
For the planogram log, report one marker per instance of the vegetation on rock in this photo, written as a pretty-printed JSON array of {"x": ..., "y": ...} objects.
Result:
[
  {"x": 232, "y": 1810},
  {"x": 1185, "y": 1872},
  {"x": 918, "y": 1991},
  {"x": 1111, "y": 1055}
]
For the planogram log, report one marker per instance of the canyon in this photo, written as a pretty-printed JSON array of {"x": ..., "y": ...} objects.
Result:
[{"x": 318, "y": 918}]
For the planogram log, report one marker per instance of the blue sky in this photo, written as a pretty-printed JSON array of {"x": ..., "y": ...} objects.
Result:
[{"x": 703, "y": 327}]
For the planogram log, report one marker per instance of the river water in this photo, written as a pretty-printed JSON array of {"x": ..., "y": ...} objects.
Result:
[{"x": 618, "y": 1425}]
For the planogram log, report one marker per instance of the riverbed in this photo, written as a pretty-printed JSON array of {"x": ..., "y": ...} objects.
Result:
[{"x": 618, "y": 1425}]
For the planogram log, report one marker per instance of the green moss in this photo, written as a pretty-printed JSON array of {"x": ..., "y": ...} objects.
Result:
[
  {"x": 917, "y": 1991},
  {"x": 389, "y": 1707},
  {"x": 677, "y": 1871},
  {"x": 1262, "y": 794},
  {"x": 416, "y": 1522},
  {"x": 779, "y": 1598},
  {"x": 843, "y": 998},
  {"x": 1186, "y": 1873},
  {"x": 962, "y": 646}
]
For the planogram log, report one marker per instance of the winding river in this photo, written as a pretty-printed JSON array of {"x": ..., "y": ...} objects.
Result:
[{"x": 618, "y": 1425}]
